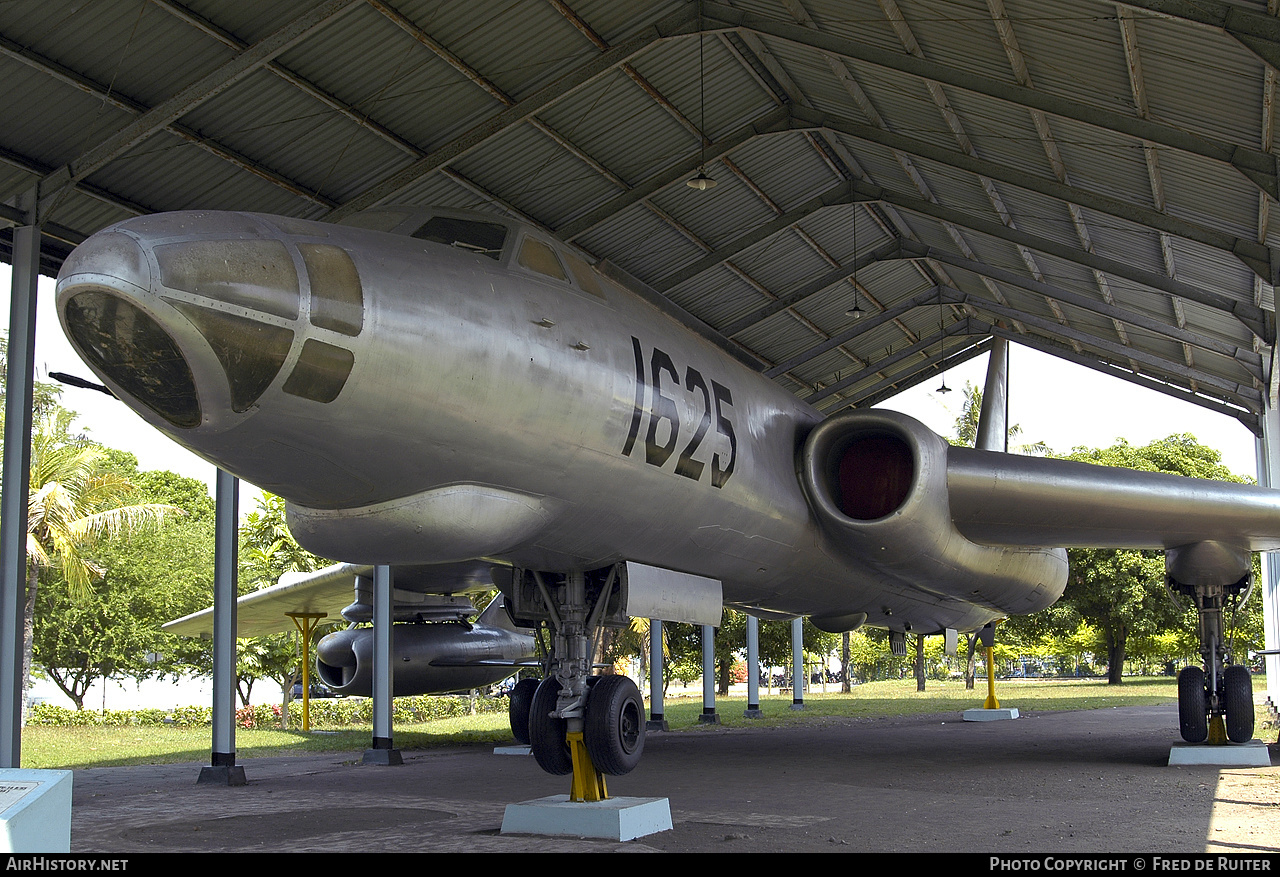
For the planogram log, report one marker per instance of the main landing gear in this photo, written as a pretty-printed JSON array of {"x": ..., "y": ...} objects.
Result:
[
  {"x": 1215, "y": 703},
  {"x": 576, "y": 723}
]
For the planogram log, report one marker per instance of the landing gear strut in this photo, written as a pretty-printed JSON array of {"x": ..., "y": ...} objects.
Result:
[
  {"x": 579, "y": 724},
  {"x": 1215, "y": 703}
]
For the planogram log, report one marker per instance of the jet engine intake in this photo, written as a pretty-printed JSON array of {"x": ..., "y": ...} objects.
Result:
[{"x": 877, "y": 482}]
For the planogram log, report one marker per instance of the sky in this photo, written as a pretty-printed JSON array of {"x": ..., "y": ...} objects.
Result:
[{"x": 1053, "y": 401}]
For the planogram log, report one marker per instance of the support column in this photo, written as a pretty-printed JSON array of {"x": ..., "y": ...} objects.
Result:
[
  {"x": 656, "y": 721},
  {"x": 1269, "y": 476},
  {"x": 708, "y": 716},
  {"x": 16, "y": 485},
  {"x": 753, "y": 710},
  {"x": 797, "y": 663},
  {"x": 993, "y": 419},
  {"x": 382, "y": 751},
  {"x": 222, "y": 769}
]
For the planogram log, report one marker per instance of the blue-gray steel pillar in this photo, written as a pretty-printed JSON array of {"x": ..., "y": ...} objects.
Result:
[
  {"x": 222, "y": 769},
  {"x": 797, "y": 664},
  {"x": 993, "y": 419},
  {"x": 16, "y": 485},
  {"x": 656, "y": 721},
  {"x": 383, "y": 751},
  {"x": 1269, "y": 476},
  {"x": 753, "y": 710},
  {"x": 708, "y": 716}
]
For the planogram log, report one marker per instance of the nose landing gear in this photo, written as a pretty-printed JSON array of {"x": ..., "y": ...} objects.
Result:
[{"x": 579, "y": 724}]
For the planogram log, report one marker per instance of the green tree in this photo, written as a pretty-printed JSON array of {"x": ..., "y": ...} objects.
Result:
[
  {"x": 75, "y": 502},
  {"x": 268, "y": 551},
  {"x": 1121, "y": 593}
]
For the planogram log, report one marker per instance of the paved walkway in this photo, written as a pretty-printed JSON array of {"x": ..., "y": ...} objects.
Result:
[{"x": 1090, "y": 781}]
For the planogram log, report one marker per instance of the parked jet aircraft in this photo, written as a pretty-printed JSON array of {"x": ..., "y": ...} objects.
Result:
[{"x": 429, "y": 387}]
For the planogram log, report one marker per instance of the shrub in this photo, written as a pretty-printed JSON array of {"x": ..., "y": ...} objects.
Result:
[{"x": 332, "y": 713}]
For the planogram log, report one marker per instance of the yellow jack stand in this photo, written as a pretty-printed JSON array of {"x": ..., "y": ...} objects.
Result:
[
  {"x": 588, "y": 783},
  {"x": 991, "y": 702},
  {"x": 991, "y": 710},
  {"x": 306, "y": 623},
  {"x": 1217, "y": 731}
]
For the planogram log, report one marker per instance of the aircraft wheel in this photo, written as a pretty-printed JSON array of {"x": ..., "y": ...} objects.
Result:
[
  {"x": 518, "y": 710},
  {"x": 1238, "y": 701},
  {"x": 546, "y": 733},
  {"x": 614, "y": 727},
  {"x": 1193, "y": 712}
]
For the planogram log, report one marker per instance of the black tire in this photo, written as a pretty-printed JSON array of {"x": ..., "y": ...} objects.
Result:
[
  {"x": 614, "y": 727},
  {"x": 518, "y": 708},
  {"x": 1193, "y": 711},
  {"x": 1237, "y": 700},
  {"x": 547, "y": 734}
]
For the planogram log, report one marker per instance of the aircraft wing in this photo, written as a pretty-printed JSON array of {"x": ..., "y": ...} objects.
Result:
[
  {"x": 329, "y": 591},
  {"x": 1002, "y": 499}
]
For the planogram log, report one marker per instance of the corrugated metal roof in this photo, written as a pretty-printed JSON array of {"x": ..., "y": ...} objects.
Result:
[{"x": 986, "y": 150}]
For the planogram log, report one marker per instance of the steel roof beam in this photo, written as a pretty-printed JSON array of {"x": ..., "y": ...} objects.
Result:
[
  {"x": 854, "y": 191},
  {"x": 206, "y": 87},
  {"x": 1256, "y": 31},
  {"x": 881, "y": 253},
  {"x": 1158, "y": 364},
  {"x": 1106, "y": 367},
  {"x": 113, "y": 98},
  {"x": 957, "y": 328},
  {"x": 866, "y": 324},
  {"x": 672, "y": 25},
  {"x": 1262, "y": 260},
  {"x": 1254, "y": 318},
  {"x": 934, "y": 365},
  {"x": 774, "y": 121},
  {"x": 1259, "y": 166},
  {"x": 842, "y": 193},
  {"x": 1247, "y": 358}
]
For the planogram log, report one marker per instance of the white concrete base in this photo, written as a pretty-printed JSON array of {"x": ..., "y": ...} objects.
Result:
[
  {"x": 615, "y": 819},
  {"x": 518, "y": 749},
  {"x": 1251, "y": 754},
  {"x": 35, "y": 811},
  {"x": 997, "y": 715}
]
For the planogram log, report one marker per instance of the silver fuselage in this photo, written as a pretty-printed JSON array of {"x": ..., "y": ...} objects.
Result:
[{"x": 453, "y": 405}]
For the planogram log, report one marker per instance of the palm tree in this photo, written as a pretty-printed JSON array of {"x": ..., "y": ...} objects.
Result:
[{"x": 74, "y": 503}]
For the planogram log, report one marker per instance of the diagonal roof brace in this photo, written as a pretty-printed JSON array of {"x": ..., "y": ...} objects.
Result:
[{"x": 1258, "y": 165}]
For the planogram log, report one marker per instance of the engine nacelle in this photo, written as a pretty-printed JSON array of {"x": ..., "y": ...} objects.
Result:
[
  {"x": 877, "y": 482},
  {"x": 426, "y": 658}
]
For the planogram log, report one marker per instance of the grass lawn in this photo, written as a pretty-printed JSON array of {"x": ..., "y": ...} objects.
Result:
[{"x": 49, "y": 747}]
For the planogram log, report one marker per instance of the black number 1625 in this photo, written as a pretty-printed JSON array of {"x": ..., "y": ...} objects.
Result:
[{"x": 662, "y": 408}]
